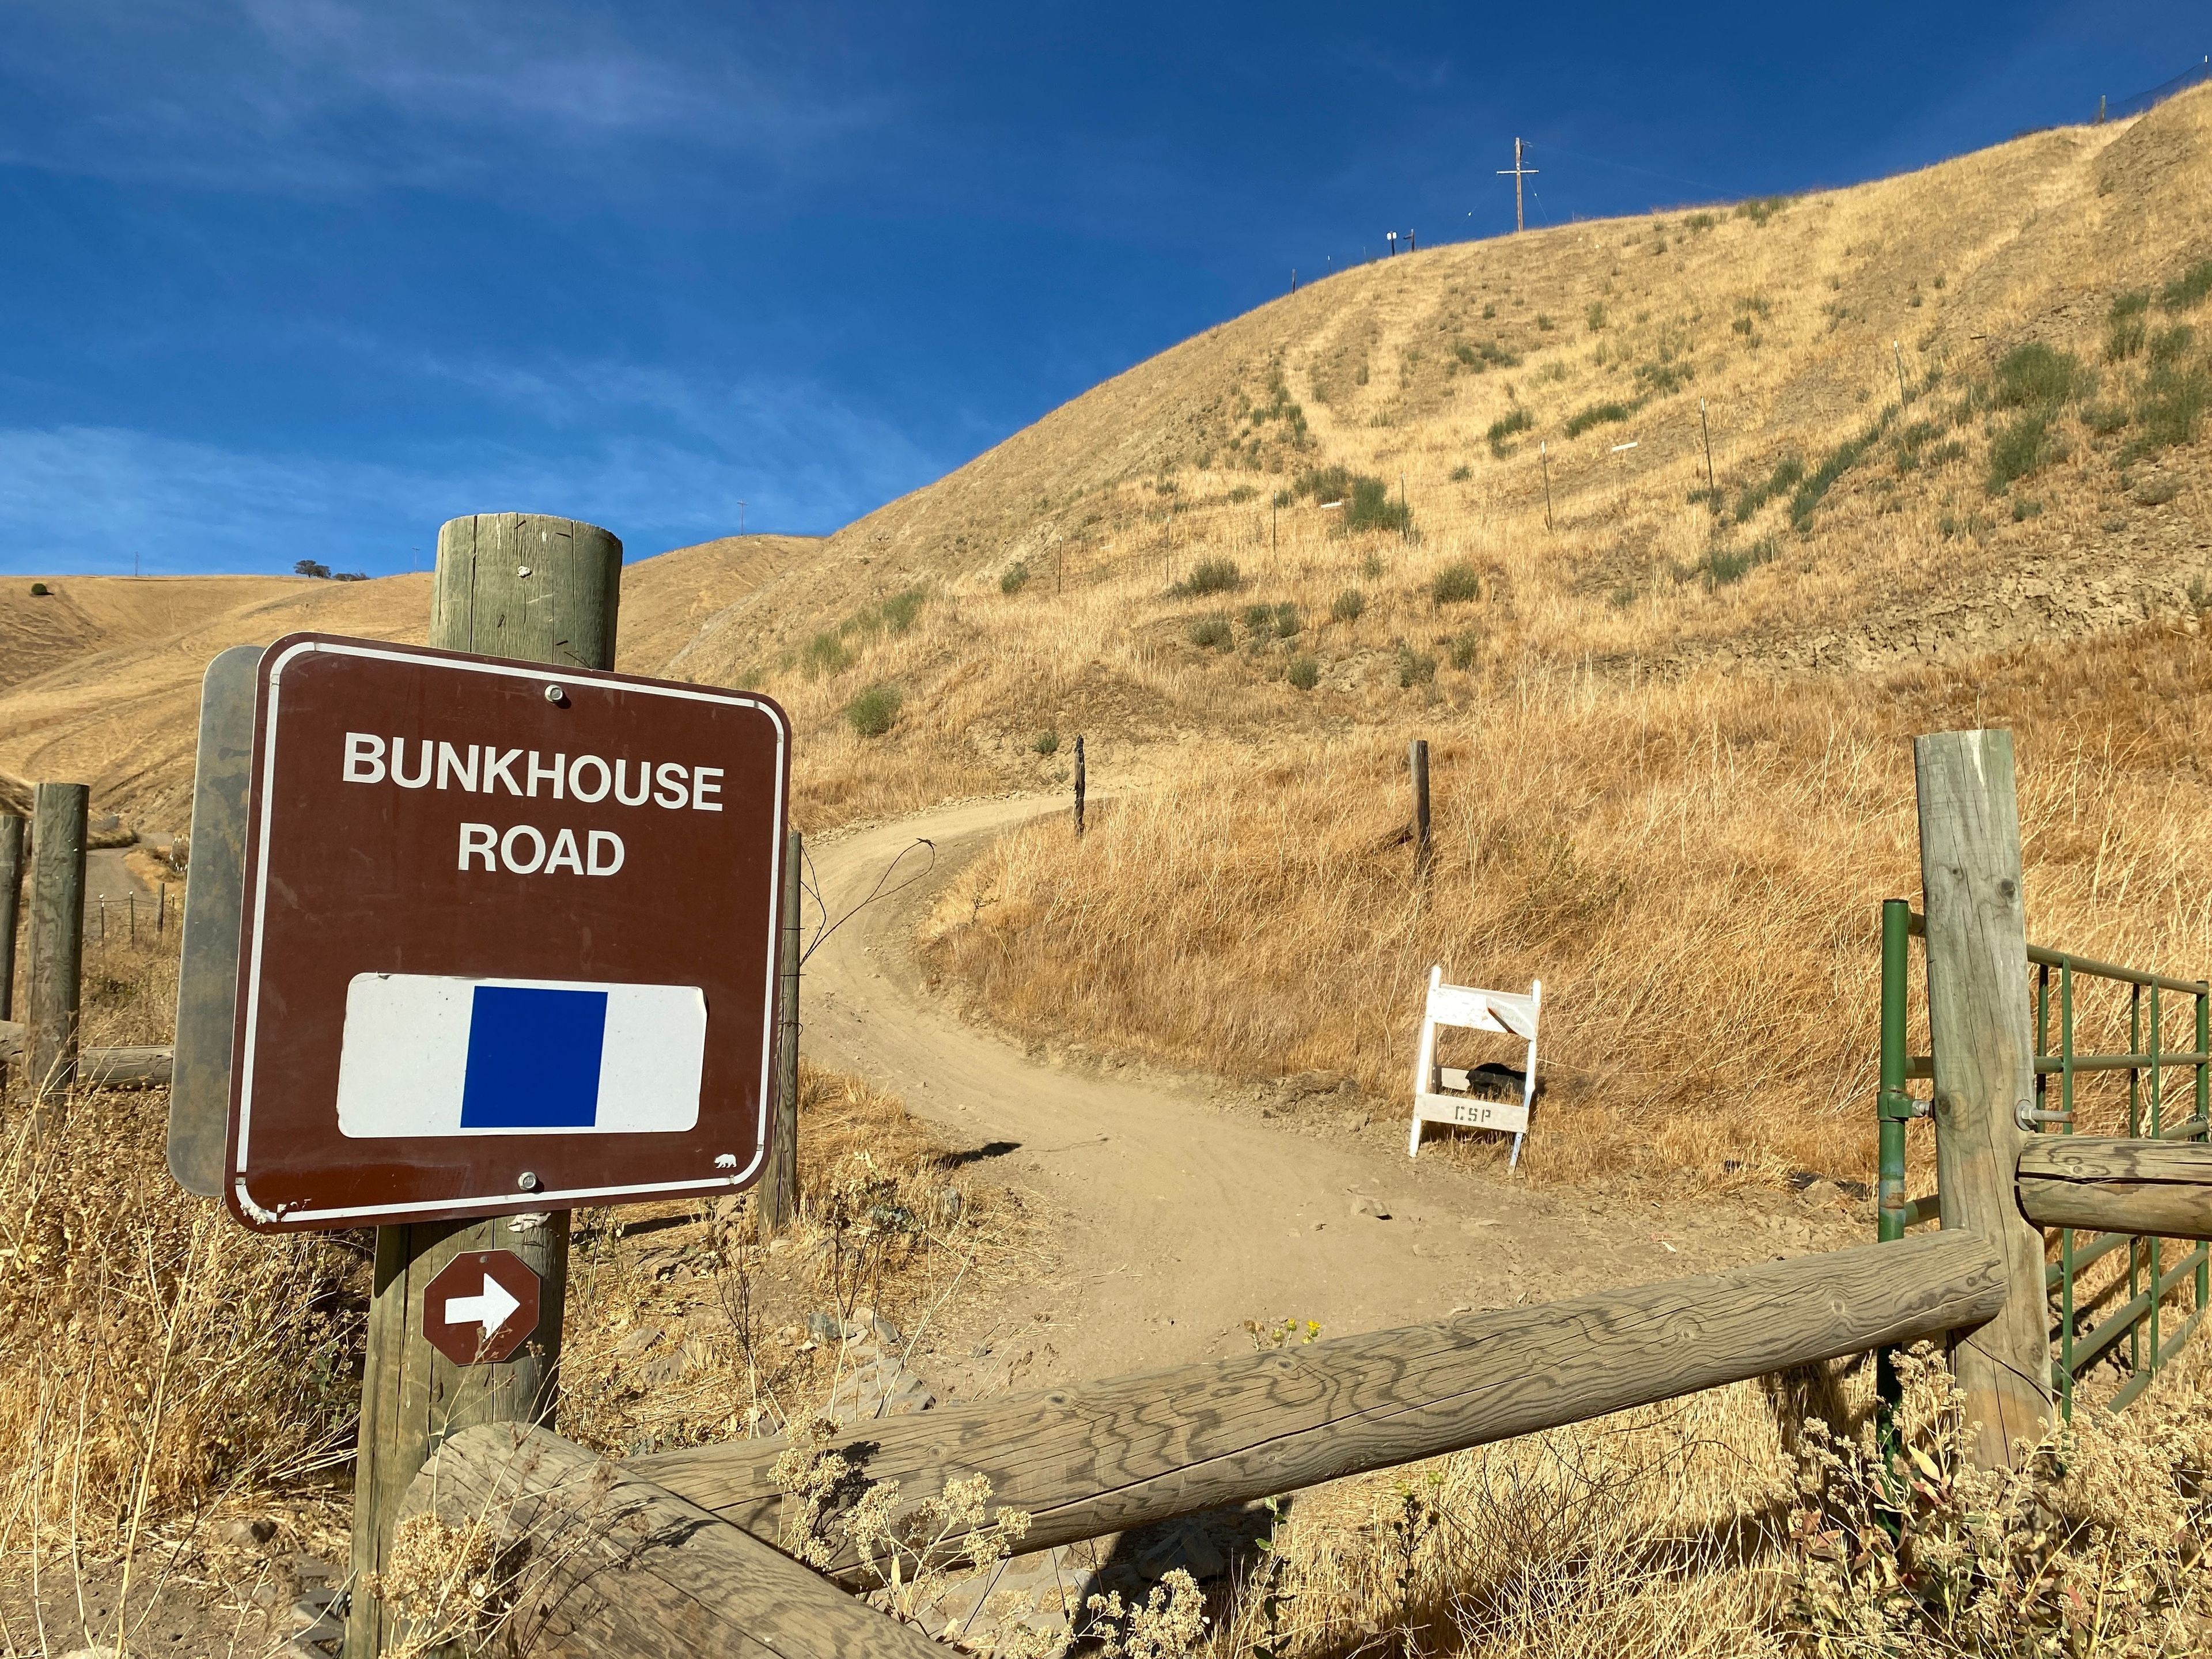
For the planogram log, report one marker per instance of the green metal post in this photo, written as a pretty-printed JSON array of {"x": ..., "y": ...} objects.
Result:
[
  {"x": 2157, "y": 1102},
  {"x": 2065, "y": 1234},
  {"x": 1892, "y": 1102},
  {"x": 2134, "y": 1131},
  {"x": 2203, "y": 1103}
]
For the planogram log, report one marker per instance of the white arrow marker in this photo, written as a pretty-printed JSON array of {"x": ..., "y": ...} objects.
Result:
[{"x": 490, "y": 1311}]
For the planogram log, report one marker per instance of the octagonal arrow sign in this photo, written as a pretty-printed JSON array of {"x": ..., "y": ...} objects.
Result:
[{"x": 481, "y": 1307}]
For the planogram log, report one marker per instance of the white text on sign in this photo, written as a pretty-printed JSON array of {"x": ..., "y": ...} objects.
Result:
[{"x": 485, "y": 769}]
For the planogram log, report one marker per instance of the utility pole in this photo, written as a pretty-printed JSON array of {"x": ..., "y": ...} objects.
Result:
[
  {"x": 1711, "y": 498},
  {"x": 1544, "y": 456},
  {"x": 1519, "y": 172}
]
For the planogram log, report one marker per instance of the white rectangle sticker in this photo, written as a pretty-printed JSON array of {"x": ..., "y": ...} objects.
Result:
[
  {"x": 428, "y": 1054},
  {"x": 1510, "y": 1116}
]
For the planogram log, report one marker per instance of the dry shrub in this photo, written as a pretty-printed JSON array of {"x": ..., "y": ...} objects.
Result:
[
  {"x": 686, "y": 1328},
  {"x": 1723, "y": 1524},
  {"x": 1650, "y": 1531},
  {"x": 154, "y": 1357},
  {"x": 2096, "y": 1545},
  {"x": 1694, "y": 871}
]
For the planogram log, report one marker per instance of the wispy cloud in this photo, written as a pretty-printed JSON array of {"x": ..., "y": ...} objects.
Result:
[
  {"x": 329, "y": 96},
  {"x": 89, "y": 498}
]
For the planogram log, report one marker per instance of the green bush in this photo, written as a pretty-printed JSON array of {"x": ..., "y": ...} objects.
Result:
[
  {"x": 1455, "y": 584},
  {"x": 1213, "y": 632},
  {"x": 1664, "y": 378},
  {"x": 1461, "y": 473},
  {"x": 1211, "y": 576},
  {"x": 1760, "y": 208},
  {"x": 898, "y": 613},
  {"x": 1842, "y": 459},
  {"x": 1722, "y": 566},
  {"x": 1788, "y": 473},
  {"x": 1349, "y": 605},
  {"x": 39, "y": 589},
  {"x": 2017, "y": 450},
  {"x": 1596, "y": 315},
  {"x": 1371, "y": 508},
  {"x": 1260, "y": 620},
  {"x": 1016, "y": 579},
  {"x": 1544, "y": 323},
  {"x": 1305, "y": 673},
  {"x": 1415, "y": 667},
  {"x": 2024, "y": 508},
  {"x": 2105, "y": 419},
  {"x": 2189, "y": 289},
  {"x": 2167, "y": 409},
  {"x": 874, "y": 709},
  {"x": 1597, "y": 415},
  {"x": 1045, "y": 742},
  {"x": 2038, "y": 376},
  {"x": 2169, "y": 345},
  {"x": 1464, "y": 649},
  {"x": 1288, "y": 623},
  {"x": 2124, "y": 326},
  {"x": 1515, "y": 419},
  {"x": 825, "y": 654}
]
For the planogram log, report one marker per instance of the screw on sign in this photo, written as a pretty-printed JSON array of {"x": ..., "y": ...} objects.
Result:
[
  {"x": 481, "y": 1307},
  {"x": 509, "y": 937}
]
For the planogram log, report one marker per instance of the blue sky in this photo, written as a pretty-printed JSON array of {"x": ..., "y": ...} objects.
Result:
[{"x": 293, "y": 278}]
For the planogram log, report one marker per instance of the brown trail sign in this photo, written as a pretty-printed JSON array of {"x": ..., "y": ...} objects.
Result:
[{"x": 509, "y": 937}]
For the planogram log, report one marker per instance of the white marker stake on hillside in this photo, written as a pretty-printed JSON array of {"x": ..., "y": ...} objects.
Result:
[{"x": 491, "y": 1310}]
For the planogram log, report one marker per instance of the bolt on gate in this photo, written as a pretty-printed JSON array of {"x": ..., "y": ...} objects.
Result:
[{"x": 2140, "y": 1321}]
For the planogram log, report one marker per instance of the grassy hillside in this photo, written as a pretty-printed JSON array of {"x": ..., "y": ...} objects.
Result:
[
  {"x": 1956, "y": 476},
  {"x": 2010, "y": 496},
  {"x": 100, "y": 679}
]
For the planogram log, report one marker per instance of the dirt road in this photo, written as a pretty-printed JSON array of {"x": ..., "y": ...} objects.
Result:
[{"x": 1187, "y": 1213}]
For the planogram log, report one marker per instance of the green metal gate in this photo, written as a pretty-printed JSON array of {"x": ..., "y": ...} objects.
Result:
[{"x": 2143, "y": 1321}]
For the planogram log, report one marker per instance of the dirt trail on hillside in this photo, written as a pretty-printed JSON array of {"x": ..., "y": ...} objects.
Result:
[{"x": 1185, "y": 1213}]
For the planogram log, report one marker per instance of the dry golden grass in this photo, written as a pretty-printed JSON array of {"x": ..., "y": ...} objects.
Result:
[
  {"x": 99, "y": 680},
  {"x": 162, "y": 1370},
  {"x": 1693, "y": 868},
  {"x": 1782, "y": 323},
  {"x": 1757, "y": 1520}
]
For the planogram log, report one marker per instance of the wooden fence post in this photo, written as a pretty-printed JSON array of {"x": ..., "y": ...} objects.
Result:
[
  {"x": 1079, "y": 784},
  {"x": 533, "y": 589},
  {"x": 779, "y": 1185},
  {"x": 56, "y": 934},
  {"x": 1417, "y": 762},
  {"x": 11, "y": 888},
  {"x": 1977, "y": 1017}
]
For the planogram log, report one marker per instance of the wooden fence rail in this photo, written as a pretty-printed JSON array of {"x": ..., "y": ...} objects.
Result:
[
  {"x": 2112, "y": 1185},
  {"x": 1104, "y": 1457},
  {"x": 147, "y": 1066}
]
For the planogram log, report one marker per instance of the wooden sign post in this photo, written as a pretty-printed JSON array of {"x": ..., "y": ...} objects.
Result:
[
  {"x": 1978, "y": 1019},
  {"x": 536, "y": 590}
]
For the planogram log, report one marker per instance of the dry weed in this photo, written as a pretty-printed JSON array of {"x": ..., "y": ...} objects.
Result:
[{"x": 1694, "y": 870}]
